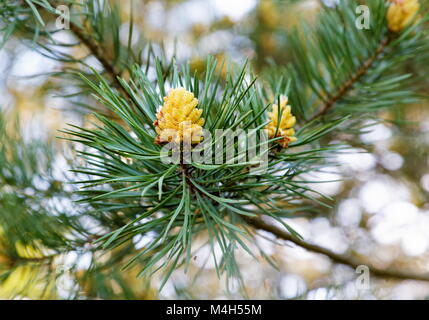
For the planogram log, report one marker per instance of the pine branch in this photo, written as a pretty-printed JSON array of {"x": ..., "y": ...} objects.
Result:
[
  {"x": 98, "y": 52},
  {"x": 258, "y": 223},
  {"x": 198, "y": 200},
  {"x": 26, "y": 260},
  {"x": 348, "y": 85}
]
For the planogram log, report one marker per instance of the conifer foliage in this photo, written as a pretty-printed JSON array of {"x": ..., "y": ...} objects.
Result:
[{"x": 121, "y": 188}]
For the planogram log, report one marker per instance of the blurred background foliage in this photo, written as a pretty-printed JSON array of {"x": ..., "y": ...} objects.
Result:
[{"x": 381, "y": 207}]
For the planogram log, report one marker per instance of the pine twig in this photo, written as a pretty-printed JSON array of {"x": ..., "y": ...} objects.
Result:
[
  {"x": 258, "y": 223},
  {"x": 348, "y": 85},
  {"x": 98, "y": 52}
]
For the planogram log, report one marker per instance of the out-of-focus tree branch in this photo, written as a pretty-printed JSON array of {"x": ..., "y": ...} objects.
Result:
[
  {"x": 97, "y": 51},
  {"x": 260, "y": 224}
]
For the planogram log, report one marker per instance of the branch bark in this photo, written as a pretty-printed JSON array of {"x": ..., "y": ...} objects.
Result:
[
  {"x": 98, "y": 52},
  {"x": 348, "y": 85},
  {"x": 260, "y": 224}
]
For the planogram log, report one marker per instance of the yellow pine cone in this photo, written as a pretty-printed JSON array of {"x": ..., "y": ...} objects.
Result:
[
  {"x": 285, "y": 128},
  {"x": 179, "y": 119},
  {"x": 401, "y": 13}
]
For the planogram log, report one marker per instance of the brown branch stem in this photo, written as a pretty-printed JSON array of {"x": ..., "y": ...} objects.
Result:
[
  {"x": 98, "y": 52},
  {"x": 260, "y": 224},
  {"x": 348, "y": 85}
]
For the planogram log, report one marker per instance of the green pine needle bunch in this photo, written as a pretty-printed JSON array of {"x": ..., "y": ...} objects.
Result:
[{"x": 177, "y": 202}]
